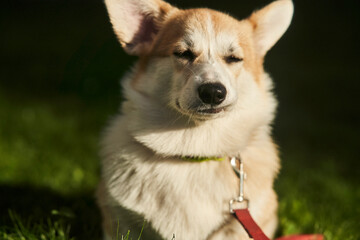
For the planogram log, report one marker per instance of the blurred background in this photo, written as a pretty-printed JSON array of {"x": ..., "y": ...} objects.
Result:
[{"x": 59, "y": 84}]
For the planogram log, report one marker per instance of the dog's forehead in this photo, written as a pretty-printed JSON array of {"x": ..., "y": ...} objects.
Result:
[
  {"x": 201, "y": 29},
  {"x": 206, "y": 28}
]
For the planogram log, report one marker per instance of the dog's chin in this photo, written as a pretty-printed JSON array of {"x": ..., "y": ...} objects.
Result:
[{"x": 201, "y": 113}]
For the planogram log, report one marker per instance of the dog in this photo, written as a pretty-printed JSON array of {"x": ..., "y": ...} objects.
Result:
[{"x": 198, "y": 93}]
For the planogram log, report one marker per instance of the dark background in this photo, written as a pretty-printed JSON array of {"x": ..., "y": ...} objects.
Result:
[
  {"x": 56, "y": 50},
  {"x": 54, "y": 47}
]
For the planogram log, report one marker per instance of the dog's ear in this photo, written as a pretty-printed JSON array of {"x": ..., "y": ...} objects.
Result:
[
  {"x": 136, "y": 22},
  {"x": 270, "y": 23}
]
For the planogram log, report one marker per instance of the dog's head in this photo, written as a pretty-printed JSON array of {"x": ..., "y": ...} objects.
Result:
[
  {"x": 197, "y": 61},
  {"x": 197, "y": 67}
]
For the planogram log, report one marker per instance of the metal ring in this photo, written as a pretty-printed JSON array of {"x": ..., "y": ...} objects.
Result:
[{"x": 232, "y": 201}]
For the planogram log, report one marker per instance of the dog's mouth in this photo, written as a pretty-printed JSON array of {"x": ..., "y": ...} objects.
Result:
[
  {"x": 210, "y": 110},
  {"x": 203, "y": 111}
]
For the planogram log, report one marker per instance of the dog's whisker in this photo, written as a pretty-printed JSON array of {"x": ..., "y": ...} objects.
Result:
[{"x": 175, "y": 120}]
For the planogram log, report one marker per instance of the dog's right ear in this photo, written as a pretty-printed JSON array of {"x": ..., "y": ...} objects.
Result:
[{"x": 136, "y": 22}]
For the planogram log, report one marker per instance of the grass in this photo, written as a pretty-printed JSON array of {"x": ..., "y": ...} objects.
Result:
[
  {"x": 49, "y": 169},
  {"x": 317, "y": 199},
  {"x": 48, "y": 161},
  {"x": 48, "y": 230}
]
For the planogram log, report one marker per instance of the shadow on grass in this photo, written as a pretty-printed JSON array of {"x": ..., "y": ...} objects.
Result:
[{"x": 37, "y": 205}]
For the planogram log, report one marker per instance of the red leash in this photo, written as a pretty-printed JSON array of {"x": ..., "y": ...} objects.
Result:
[
  {"x": 246, "y": 220},
  {"x": 255, "y": 232}
]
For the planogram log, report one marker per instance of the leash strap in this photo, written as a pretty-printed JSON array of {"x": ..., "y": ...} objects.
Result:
[{"x": 255, "y": 232}]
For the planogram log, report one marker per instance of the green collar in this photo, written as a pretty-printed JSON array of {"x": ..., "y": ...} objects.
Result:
[{"x": 202, "y": 159}]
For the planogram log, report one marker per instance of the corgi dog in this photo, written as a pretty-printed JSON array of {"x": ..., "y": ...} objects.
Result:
[{"x": 197, "y": 93}]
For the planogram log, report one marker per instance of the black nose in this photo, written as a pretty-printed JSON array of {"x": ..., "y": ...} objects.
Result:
[{"x": 212, "y": 93}]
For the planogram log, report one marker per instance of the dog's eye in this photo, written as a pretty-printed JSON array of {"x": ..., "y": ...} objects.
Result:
[
  {"x": 188, "y": 55},
  {"x": 232, "y": 59}
]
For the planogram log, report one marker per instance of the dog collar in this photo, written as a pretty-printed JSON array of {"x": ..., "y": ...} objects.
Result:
[{"x": 202, "y": 159}]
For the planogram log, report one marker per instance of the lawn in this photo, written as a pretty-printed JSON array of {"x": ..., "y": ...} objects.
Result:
[
  {"x": 49, "y": 169},
  {"x": 59, "y": 87}
]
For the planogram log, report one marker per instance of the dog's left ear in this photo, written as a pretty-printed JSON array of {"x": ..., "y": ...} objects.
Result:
[
  {"x": 136, "y": 22},
  {"x": 270, "y": 23}
]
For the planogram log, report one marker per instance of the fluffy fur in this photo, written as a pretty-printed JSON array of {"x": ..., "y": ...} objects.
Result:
[{"x": 163, "y": 119}]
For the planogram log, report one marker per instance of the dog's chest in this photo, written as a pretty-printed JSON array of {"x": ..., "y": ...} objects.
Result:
[{"x": 184, "y": 198}]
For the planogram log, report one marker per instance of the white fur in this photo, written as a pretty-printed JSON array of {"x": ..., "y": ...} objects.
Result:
[{"x": 143, "y": 173}]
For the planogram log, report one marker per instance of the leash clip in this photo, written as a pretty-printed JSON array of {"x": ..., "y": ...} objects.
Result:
[{"x": 242, "y": 176}]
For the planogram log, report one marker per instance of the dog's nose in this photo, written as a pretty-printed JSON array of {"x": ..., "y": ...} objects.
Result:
[{"x": 212, "y": 93}]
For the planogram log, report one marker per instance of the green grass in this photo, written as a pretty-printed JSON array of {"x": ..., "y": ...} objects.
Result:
[
  {"x": 44, "y": 230},
  {"x": 317, "y": 199},
  {"x": 48, "y": 161},
  {"x": 49, "y": 169}
]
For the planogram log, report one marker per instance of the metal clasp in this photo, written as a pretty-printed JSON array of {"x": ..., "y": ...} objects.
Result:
[
  {"x": 243, "y": 204},
  {"x": 241, "y": 174}
]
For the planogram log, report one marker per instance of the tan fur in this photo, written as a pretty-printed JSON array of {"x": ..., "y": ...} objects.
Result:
[{"x": 143, "y": 173}]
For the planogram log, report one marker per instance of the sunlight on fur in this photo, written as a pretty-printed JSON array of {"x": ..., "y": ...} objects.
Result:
[{"x": 198, "y": 89}]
